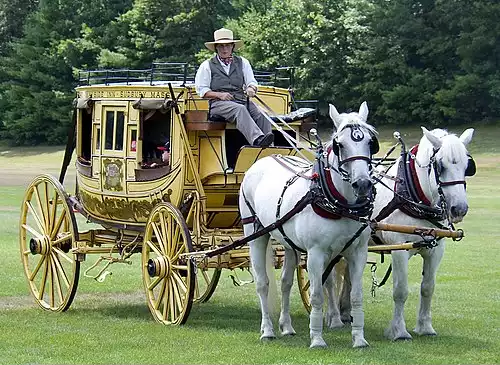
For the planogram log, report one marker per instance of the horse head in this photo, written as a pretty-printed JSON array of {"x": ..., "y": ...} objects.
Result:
[
  {"x": 445, "y": 157},
  {"x": 352, "y": 145}
]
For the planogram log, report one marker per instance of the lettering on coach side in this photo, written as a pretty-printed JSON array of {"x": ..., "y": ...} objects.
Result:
[{"x": 102, "y": 94}]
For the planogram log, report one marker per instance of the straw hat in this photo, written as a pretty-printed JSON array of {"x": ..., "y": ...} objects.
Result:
[{"x": 223, "y": 36}]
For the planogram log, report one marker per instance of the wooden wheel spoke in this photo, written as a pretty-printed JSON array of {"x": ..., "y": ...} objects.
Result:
[
  {"x": 180, "y": 283},
  {"x": 41, "y": 211},
  {"x": 53, "y": 211},
  {"x": 161, "y": 294},
  {"x": 180, "y": 249},
  {"x": 164, "y": 232},
  {"x": 170, "y": 242},
  {"x": 63, "y": 254},
  {"x": 30, "y": 229},
  {"x": 165, "y": 309},
  {"x": 154, "y": 283},
  {"x": 37, "y": 268},
  {"x": 159, "y": 237},
  {"x": 35, "y": 217},
  {"x": 41, "y": 292},
  {"x": 62, "y": 238},
  {"x": 179, "y": 267},
  {"x": 177, "y": 297},
  {"x": 56, "y": 282},
  {"x": 51, "y": 282},
  {"x": 60, "y": 269},
  {"x": 154, "y": 248},
  {"x": 57, "y": 225},
  {"x": 204, "y": 273},
  {"x": 171, "y": 301},
  {"x": 46, "y": 211}
]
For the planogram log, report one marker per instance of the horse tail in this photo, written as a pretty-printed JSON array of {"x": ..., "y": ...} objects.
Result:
[{"x": 272, "y": 296}]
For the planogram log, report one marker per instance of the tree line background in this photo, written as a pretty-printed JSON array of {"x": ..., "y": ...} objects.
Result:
[{"x": 428, "y": 62}]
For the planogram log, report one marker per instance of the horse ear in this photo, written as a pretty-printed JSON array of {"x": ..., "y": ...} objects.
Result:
[
  {"x": 363, "y": 111},
  {"x": 334, "y": 114},
  {"x": 466, "y": 136},
  {"x": 435, "y": 141}
]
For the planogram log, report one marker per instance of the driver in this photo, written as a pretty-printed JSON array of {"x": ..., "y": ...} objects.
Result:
[{"x": 224, "y": 80}]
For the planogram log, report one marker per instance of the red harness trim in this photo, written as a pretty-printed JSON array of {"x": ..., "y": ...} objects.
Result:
[
  {"x": 335, "y": 193},
  {"x": 414, "y": 176}
]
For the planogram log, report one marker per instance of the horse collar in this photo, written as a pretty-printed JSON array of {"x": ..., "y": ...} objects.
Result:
[
  {"x": 329, "y": 202},
  {"x": 420, "y": 196}
]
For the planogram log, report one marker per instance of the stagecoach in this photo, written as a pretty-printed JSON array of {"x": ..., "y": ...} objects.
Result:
[
  {"x": 142, "y": 203},
  {"x": 157, "y": 176}
]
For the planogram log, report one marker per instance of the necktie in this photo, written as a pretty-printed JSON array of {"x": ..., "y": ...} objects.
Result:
[{"x": 227, "y": 60}]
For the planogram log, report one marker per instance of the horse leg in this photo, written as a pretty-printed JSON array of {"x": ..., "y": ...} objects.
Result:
[
  {"x": 285, "y": 322},
  {"x": 333, "y": 320},
  {"x": 315, "y": 267},
  {"x": 431, "y": 264},
  {"x": 258, "y": 258},
  {"x": 345, "y": 295},
  {"x": 397, "y": 328},
  {"x": 356, "y": 263}
]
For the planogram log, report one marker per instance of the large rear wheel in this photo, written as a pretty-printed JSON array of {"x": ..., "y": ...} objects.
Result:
[
  {"x": 47, "y": 232},
  {"x": 169, "y": 280}
]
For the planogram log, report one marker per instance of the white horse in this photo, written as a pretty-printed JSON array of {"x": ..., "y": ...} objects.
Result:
[
  {"x": 439, "y": 165},
  {"x": 270, "y": 190}
]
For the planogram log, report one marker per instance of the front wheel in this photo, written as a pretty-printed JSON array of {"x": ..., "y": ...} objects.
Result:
[{"x": 169, "y": 279}]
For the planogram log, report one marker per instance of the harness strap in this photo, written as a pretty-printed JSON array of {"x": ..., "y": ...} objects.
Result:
[
  {"x": 299, "y": 206},
  {"x": 253, "y": 218},
  {"x": 337, "y": 258},
  {"x": 280, "y": 159},
  {"x": 278, "y": 208}
]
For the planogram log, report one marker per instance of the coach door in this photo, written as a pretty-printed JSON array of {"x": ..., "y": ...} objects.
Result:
[{"x": 111, "y": 144}]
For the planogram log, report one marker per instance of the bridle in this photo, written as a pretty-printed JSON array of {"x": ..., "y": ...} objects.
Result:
[
  {"x": 433, "y": 166},
  {"x": 357, "y": 135}
]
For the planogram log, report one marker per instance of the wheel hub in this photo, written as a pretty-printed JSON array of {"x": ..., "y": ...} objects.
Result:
[
  {"x": 40, "y": 246},
  {"x": 159, "y": 266}
]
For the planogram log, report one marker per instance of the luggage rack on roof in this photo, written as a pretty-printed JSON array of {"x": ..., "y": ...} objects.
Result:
[
  {"x": 159, "y": 72},
  {"x": 175, "y": 72}
]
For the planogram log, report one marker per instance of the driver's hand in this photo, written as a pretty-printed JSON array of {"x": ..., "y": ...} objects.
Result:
[
  {"x": 251, "y": 91},
  {"x": 225, "y": 96}
]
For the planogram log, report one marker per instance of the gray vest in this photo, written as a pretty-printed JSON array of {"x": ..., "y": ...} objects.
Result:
[{"x": 232, "y": 83}]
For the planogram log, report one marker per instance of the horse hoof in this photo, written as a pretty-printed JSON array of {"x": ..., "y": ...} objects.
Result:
[
  {"x": 425, "y": 331},
  {"x": 334, "y": 324},
  {"x": 360, "y": 343},
  {"x": 395, "y": 335},
  {"x": 267, "y": 338},
  {"x": 318, "y": 343},
  {"x": 287, "y": 330}
]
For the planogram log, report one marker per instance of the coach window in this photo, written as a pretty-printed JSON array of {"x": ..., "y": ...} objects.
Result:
[
  {"x": 84, "y": 108},
  {"x": 114, "y": 130}
]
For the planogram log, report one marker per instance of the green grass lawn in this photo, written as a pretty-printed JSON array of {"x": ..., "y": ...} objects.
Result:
[{"x": 109, "y": 322}]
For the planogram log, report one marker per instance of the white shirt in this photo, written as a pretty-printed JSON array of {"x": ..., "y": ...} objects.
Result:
[{"x": 204, "y": 75}]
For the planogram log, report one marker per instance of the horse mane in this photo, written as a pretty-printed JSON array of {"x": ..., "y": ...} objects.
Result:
[{"x": 452, "y": 149}]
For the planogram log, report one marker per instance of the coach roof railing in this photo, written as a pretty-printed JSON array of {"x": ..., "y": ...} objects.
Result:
[{"x": 174, "y": 72}]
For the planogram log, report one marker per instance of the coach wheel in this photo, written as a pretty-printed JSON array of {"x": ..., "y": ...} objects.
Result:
[
  {"x": 47, "y": 236},
  {"x": 206, "y": 282},
  {"x": 169, "y": 279},
  {"x": 304, "y": 284}
]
